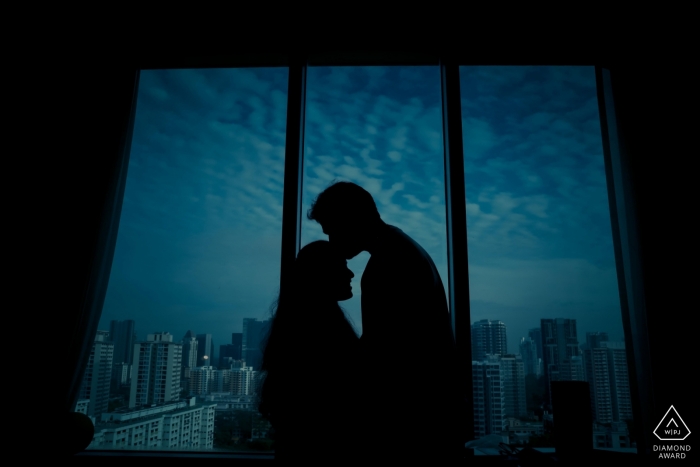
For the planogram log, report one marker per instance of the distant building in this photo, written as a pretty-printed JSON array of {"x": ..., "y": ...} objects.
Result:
[
  {"x": 121, "y": 375},
  {"x": 190, "y": 347},
  {"x": 227, "y": 354},
  {"x": 243, "y": 381},
  {"x": 123, "y": 336},
  {"x": 232, "y": 351},
  {"x": 156, "y": 372},
  {"x": 613, "y": 435},
  {"x": 254, "y": 334},
  {"x": 513, "y": 372},
  {"x": 207, "y": 379},
  {"x": 82, "y": 406},
  {"x": 237, "y": 343},
  {"x": 205, "y": 348},
  {"x": 605, "y": 363},
  {"x": 177, "y": 425},
  {"x": 595, "y": 339},
  {"x": 561, "y": 352},
  {"x": 572, "y": 370},
  {"x": 489, "y": 397},
  {"x": 238, "y": 380},
  {"x": 488, "y": 337},
  {"x": 229, "y": 363},
  {"x": 528, "y": 351},
  {"x": 201, "y": 380},
  {"x": 519, "y": 432},
  {"x": 220, "y": 380},
  {"x": 536, "y": 335},
  {"x": 98, "y": 376}
]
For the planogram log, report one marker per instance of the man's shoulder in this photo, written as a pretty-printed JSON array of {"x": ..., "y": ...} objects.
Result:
[
  {"x": 399, "y": 241},
  {"x": 401, "y": 253},
  {"x": 393, "y": 234}
]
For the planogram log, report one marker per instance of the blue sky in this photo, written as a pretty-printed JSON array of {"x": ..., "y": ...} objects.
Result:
[{"x": 199, "y": 239}]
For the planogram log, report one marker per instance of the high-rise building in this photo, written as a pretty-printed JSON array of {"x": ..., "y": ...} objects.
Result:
[
  {"x": 513, "y": 372},
  {"x": 562, "y": 360},
  {"x": 201, "y": 380},
  {"x": 82, "y": 406},
  {"x": 594, "y": 339},
  {"x": 243, "y": 381},
  {"x": 238, "y": 380},
  {"x": 205, "y": 348},
  {"x": 619, "y": 381},
  {"x": 237, "y": 343},
  {"x": 98, "y": 376},
  {"x": 190, "y": 347},
  {"x": 220, "y": 381},
  {"x": 606, "y": 372},
  {"x": 228, "y": 353},
  {"x": 536, "y": 335},
  {"x": 123, "y": 335},
  {"x": 573, "y": 370},
  {"x": 121, "y": 375},
  {"x": 488, "y": 337},
  {"x": 489, "y": 397},
  {"x": 234, "y": 350},
  {"x": 156, "y": 371},
  {"x": 254, "y": 333},
  {"x": 528, "y": 351}
]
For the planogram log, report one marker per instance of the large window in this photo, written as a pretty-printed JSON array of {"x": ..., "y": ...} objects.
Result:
[
  {"x": 196, "y": 262},
  {"x": 544, "y": 294},
  {"x": 196, "y": 266}
]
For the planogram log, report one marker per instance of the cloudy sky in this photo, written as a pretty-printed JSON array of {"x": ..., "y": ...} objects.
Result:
[{"x": 199, "y": 238}]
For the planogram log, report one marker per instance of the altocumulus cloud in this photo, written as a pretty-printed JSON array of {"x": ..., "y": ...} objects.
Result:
[
  {"x": 539, "y": 226},
  {"x": 198, "y": 246}
]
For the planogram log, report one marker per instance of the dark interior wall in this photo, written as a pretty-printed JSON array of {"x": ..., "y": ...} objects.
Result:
[
  {"x": 653, "y": 107},
  {"x": 658, "y": 118}
]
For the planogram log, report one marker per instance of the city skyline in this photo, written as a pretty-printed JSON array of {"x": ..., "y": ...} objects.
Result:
[
  {"x": 497, "y": 329},
  {"x": 505, "y": 400}
]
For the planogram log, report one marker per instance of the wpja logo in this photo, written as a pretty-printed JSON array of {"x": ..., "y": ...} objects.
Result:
[{"x": 672, "y": 428}]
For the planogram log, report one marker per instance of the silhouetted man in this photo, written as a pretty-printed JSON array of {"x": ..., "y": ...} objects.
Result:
[{"x": 414, "y": 406}]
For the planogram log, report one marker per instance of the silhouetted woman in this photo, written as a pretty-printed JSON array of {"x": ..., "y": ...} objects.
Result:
[{"x": 310, "y": 363}]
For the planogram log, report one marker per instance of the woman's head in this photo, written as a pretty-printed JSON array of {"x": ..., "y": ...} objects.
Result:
[
  {"x": 306, "y": 315},
  {"x": 321, "y": 271}
]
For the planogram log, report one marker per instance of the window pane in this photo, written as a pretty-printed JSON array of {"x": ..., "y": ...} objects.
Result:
[
  {"x": 543, "y": 285},
  {"x": 197, "y": 253},
  {"x": 379, "y": 127}
]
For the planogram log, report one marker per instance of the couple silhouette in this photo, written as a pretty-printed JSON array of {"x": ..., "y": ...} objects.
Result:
[{"x": 394, "y": 394}]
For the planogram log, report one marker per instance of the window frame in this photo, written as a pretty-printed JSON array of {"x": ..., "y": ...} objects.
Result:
[{"x": 620, "y": 195}]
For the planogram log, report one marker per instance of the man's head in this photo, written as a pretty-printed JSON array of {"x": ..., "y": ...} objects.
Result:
[{"x": 348, "y": 216}]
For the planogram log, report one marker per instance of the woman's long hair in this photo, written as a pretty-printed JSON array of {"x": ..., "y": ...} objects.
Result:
[{"x": 308, "y": 327}]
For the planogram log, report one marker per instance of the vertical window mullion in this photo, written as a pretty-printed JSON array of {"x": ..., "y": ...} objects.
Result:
[
  {"x": 293, "y": 166},
  {"x": 456, "y": 216},
  {"x": 627, "y": 261}
]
